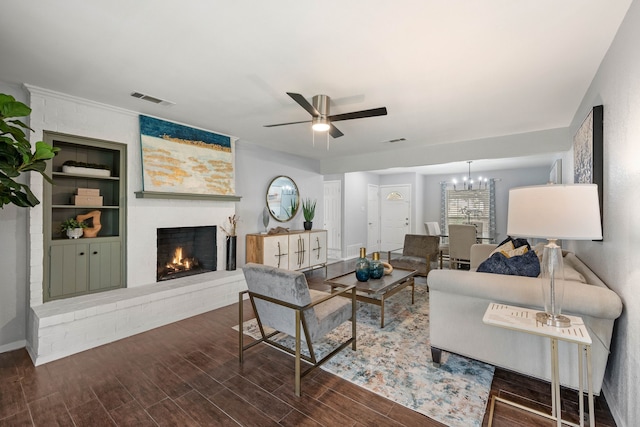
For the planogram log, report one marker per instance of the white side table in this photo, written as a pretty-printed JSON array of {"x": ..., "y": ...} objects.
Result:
[{"x": 524, "y": 320}]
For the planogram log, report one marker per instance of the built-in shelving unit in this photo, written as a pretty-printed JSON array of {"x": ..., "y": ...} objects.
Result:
[{"x": 80, "y": 266}]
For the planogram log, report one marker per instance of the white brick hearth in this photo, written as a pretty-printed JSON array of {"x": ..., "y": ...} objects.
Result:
[{"x": 64, "y": 327}]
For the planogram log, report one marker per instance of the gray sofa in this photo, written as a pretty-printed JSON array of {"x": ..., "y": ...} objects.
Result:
[{"x": 458, "y": 300}]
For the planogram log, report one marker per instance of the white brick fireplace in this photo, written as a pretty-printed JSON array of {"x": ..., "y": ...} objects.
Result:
[{"x": 63, "y": 327}]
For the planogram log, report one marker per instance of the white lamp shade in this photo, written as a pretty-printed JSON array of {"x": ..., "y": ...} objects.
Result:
[{"x": 555, "y": 212}]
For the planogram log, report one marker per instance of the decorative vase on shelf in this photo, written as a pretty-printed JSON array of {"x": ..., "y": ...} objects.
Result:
[
  {"x": 376, "y": 269},
  {"x": 307, "y": 225},
  {"x": 74, "y": 233},
  {"x": 362, "y": 266},
  {"x": 231, "y": 252}
]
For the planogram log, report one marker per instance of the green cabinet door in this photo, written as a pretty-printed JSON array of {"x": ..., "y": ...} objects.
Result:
[
  {"x": 69, "y": 268},
  {"x": 81, "y": 268},
  {"x": 104, "y": 266}
]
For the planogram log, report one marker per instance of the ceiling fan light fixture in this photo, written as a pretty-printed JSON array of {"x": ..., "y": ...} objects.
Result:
[{"x": 320, "y": 124}]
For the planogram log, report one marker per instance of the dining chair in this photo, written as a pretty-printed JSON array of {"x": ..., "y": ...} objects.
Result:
[
  {"x": 461, "y": 238},
  {"x": 433, "y": 229}
]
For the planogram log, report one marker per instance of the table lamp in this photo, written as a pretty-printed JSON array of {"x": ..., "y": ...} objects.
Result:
[{"x": 554, "y": 212}]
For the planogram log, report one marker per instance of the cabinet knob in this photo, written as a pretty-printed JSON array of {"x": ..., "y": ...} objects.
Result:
[
  {"x": 81, "y": 253},
  {"x": 95, "y": 252}
]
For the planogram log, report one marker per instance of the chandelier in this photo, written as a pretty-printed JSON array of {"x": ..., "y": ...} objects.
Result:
[{"x": 469, "y": 183}]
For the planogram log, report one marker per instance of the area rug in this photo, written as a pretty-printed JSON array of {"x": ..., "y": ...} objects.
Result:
[{"x": 395, "y": 362}]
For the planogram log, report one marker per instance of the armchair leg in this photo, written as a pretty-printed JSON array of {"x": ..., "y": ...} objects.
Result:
[
  {"x": 298, "y": 375},
  {"x": 353, "y": 318},
  {"x": 240, "y": 323}
]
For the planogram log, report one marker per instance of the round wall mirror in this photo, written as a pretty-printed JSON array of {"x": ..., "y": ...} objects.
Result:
[{"x": 283, "y": 198}]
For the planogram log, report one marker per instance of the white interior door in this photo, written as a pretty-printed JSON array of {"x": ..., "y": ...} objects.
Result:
[
  {"x": 333, "y": 218},
  {"x": 373, "y": 218},
  {"x": 395, "y": 215}
]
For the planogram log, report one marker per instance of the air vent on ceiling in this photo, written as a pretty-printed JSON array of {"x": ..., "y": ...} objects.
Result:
[
  {"x": 152, "y": 99},
  {"x": 393, "y": 141}
]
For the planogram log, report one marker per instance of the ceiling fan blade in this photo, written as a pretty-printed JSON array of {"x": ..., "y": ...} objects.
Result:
[
  {"x": 334, "y": 131},
  {"x": 304, "y": 103},
  {"x": 285, "y": 124},
  {"x": 382, "y": 111}
]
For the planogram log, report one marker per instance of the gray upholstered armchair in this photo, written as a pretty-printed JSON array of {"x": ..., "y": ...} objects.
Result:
[
  {"x": 282, "y": 300},
  {"x": 418, "y": 252}
]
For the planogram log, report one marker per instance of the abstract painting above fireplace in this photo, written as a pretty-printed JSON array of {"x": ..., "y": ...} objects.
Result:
[{"x": 182, "y": 159}]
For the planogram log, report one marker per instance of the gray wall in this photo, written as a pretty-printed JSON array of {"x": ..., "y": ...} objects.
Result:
[
  {"x": 616, "y": 86},
  {"x": 13, "y": 262},
  {"x": 256, "y": 167}
]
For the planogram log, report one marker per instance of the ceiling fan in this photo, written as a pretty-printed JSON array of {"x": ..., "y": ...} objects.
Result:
[{"x": 321, "y": 119}]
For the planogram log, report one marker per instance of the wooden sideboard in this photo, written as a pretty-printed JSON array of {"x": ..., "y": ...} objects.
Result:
[{"x": 295, "y": 250}]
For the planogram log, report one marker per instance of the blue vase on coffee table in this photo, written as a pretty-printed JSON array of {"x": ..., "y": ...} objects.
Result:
[
  {"x": 362, "y": 266},
  {"x": 376, "y": 269}
]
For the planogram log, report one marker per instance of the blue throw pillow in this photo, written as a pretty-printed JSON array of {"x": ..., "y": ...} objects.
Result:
[{"x": 527, "y": 264}]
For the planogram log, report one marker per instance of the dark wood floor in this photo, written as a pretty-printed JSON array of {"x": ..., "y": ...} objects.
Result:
[{"x": 187, "y": 374}]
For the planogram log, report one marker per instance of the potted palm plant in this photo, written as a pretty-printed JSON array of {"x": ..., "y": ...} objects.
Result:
[{"x": 309, "y": 211}]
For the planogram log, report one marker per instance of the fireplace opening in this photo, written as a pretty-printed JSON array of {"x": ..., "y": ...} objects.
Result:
[{"x": 185, "y": 251}]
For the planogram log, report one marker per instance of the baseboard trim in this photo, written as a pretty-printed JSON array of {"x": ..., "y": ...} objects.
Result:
[{"x": 13, "y": 346}]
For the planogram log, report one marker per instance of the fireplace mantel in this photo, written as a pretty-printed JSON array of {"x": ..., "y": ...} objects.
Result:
[{"x": 186, "y": 196}]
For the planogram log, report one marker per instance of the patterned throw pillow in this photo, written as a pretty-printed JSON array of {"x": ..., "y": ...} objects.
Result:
[
  {"x": 503, "y": 247},
  {"x": 515, "y": 252},
  {"x": 519, "y": 261}
]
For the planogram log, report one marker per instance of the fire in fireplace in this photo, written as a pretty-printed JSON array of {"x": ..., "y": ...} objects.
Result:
[{"x": 185, "y": 251}]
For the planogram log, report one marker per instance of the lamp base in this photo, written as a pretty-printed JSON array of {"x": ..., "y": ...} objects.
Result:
[{"x": 558, "y": 321}]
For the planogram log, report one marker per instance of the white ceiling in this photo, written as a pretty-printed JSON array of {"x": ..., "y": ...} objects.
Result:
[{"x": 447, "y": 71}]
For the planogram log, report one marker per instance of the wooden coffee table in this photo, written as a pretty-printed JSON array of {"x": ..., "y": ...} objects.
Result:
[{"x": 378, "y": 290}]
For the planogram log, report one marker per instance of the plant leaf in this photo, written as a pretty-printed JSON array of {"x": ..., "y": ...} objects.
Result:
[
  {"x": 17, "y": 154},
  {"x": 20, "y": 123},
  {"x": 14, "y": 109},
  {"x": 4, "y": 98},
  {"x": 38, "y": 166},
  {"x": 44, "y": 151}
]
